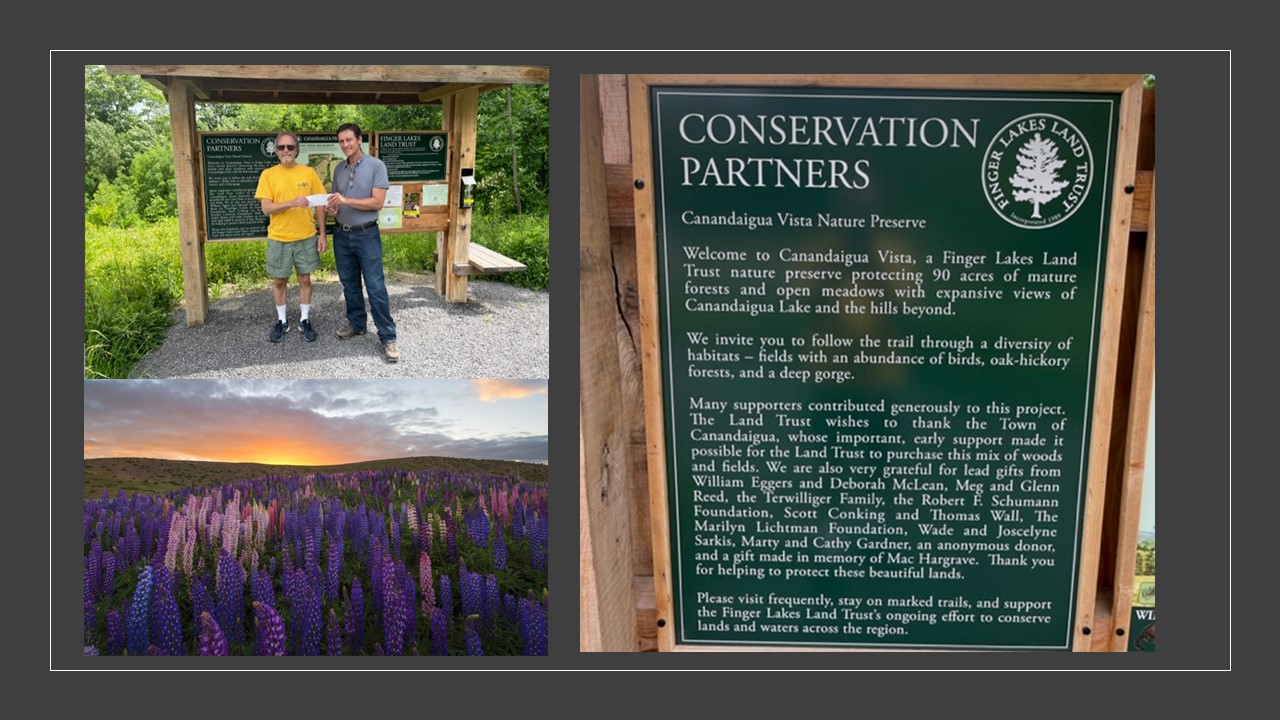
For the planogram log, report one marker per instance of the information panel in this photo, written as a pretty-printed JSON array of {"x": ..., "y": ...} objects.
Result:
[
  {"x": 414, "y": 156},
  {"x": 231, "y": 164},
  {"x": 878, "y": 317}
]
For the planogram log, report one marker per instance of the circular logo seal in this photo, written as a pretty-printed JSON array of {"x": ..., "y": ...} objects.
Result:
[
  {"x": 269, "y": 147},
  {"x": 436, "y": 143},
  {"x": 1037, "y": 171}
]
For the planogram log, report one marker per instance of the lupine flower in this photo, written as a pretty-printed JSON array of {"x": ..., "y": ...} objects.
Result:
[
  {"x": 472, "y": 638},
  {"x": 306, "y": 605},
  {"x": 446, "y": 595},
  {"x": 450, "y": 539},
  {"x": 335, "y": 567},
  {"x": 108, "y": 576},
  {"x": 392, "y": 609},
  {"x": 427, "y": 584},
  {"x": 140, "y": 616},
  {"x": 439, "y": 632},
  {"x": 533, "y": 626},
  {"x": 115, "y": 633},
  {"x": 333, "y": 638},
  {"x": 230, "y": 597},
  {"x": 499, "y": 547},
  {"x": 91, "y": 650},
  {"x": 409, "y": 606},
  {"x": 270, "y": 630},
  {"x": 492, "y": 602},
  {"x": 166, "y": 629},
  {"x": 212, "y": 641},
  {"x": 201, "y": 600},
  {"x": 92, "y": 572},
  {"x": 538, "y": 544},
  {"x": 355, "y": 618}
]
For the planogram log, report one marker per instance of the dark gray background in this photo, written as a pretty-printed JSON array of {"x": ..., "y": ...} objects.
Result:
[{"x": 1194, "y": 382}]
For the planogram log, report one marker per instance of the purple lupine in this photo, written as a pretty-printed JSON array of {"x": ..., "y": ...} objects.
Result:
[
  {"x": 307, "y": 614},
  {"x": 333, "y": 636},
  {"x": 335, "y": 568},
  {"x": 446, "y": 595},
  {"x": 395, "y": 537},
  {"x": 91, "y": 650},
  {"x": 439, "y": 632},
  {"x": 261, "y": 587},
  {"x": 510, "y": 609},
  {"x": 270, "y": 630},
  {"x": 471, "y": 590},
  {"x": 90, "y": 620},
  {"x": 201, "y": 600},
  {"x": 107, "y": 587},
  {"x": 392, "y": 609},
  {"x": 450, "y": 538},
  {"x": 538, "y": 544},
  {"x": 492, "y": 602},
  {"x": 166, "y": 626},
  {"x": 93, "y": 572},
  {"x": 471, "y": 636},
  {"x": 139, "y": 615},
  {"x": 230, "y": 597},
  {"x": 533, "y": 626},
  {"x": 212, "y": 640},
  {"x": 312, "y": 563},
  {"x": 355, "y": 618},
  {"x": 115, "y": 633},
  {"x": 499, "y": 547}
]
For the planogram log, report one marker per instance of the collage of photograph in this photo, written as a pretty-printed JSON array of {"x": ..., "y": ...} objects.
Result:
[
  {"x": 865, "y": 363},
  {"x": 316, "y": 360}
]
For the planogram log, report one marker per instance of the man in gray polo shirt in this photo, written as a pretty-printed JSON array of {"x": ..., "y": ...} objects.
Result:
[{"x": 359, "y": 189}]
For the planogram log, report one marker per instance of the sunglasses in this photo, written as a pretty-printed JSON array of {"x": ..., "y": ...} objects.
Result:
[{"x": 286, "y": 147}]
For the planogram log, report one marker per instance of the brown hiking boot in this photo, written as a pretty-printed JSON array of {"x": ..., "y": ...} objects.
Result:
[{"x": 391, "y": 351}]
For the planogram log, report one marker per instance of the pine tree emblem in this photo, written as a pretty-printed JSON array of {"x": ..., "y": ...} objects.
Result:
[{"x": 1036, "y": 179}]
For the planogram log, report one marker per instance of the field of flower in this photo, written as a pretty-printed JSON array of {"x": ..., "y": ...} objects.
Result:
[{"x": 383, "y": 562}]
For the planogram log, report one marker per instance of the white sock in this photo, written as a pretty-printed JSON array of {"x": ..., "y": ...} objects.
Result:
[
  {"x": 280, "y": 312},
  {"x": 306, "y": 311}
]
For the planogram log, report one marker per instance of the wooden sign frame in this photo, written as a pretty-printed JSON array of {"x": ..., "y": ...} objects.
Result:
[{"x": 1129, "y": 88}]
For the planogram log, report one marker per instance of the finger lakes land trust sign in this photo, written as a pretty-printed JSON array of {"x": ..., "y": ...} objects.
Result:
[{"x": 878, "y": 318}]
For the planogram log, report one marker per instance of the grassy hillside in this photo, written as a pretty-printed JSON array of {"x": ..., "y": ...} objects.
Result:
[{"x": 150, "y": 475}]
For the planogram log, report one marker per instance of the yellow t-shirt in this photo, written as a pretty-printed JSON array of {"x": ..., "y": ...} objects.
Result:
[{"x": 281, "y": 184}]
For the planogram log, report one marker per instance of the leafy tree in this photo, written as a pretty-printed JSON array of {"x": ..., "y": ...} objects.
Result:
[
  {"x": 121, "y": 101},
  {"x": 113, "y": 205},
  {"x": 101, "y": 154},
  {"x": 151, "y": 178}
]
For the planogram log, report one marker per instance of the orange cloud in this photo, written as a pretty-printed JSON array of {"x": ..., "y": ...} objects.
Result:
[{"x": 492, "y": 390}]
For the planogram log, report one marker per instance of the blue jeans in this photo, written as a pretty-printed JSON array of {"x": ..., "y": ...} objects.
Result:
[{"x": 358, "y": 254}]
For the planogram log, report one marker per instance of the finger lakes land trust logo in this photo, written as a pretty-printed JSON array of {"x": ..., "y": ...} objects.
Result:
[{"x": 1037, "y": 171}]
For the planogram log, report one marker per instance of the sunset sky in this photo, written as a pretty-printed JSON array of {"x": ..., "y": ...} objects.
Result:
[{"x": 315, "y": 422}]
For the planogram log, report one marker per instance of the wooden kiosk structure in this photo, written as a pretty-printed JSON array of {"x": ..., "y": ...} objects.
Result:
[
  {"x": 456, "y": 88},
  {"x": 630, "y": 596}
]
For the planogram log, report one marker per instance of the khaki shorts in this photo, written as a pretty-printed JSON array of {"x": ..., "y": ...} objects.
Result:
[{"x": 284, "y": 257}]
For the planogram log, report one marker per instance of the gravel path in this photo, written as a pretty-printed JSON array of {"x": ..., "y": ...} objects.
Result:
[{"x": 500, "y": 332}]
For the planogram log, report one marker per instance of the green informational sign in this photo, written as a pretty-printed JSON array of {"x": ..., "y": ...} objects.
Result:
[
  {"x": 414, "y": 156},
  {"x": 231, "y": 164},
  {"x": 878, "y": 318}
]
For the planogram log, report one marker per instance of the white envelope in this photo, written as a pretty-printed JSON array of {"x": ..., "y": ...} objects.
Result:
[{"x": 317, "y": 200}]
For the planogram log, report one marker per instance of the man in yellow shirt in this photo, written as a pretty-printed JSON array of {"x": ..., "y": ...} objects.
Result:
[{"x": 292, "y": 241}]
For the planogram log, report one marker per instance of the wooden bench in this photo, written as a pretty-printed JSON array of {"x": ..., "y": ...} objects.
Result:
[{"x": 483, "y": 261}]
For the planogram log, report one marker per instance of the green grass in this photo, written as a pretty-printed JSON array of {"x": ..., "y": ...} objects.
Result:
[{"x": 133, "y": 277}]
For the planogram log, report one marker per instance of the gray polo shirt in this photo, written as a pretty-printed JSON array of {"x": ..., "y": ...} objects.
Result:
[{"x": 370, "y": 172}]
